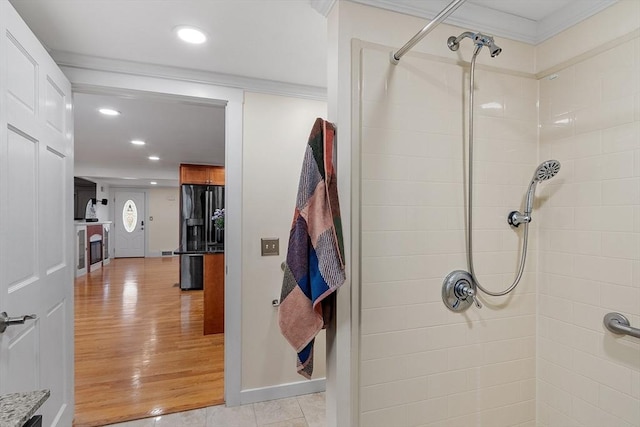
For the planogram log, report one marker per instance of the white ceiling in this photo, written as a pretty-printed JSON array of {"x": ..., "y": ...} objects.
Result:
[
  {"x": 275, "y": 44},
  {"x": 176, "y": 130}
]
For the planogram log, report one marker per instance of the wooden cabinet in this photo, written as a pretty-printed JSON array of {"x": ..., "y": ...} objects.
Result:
[
  {"x": 214, "y": 293},
  {"x": 201, "y": 174}
]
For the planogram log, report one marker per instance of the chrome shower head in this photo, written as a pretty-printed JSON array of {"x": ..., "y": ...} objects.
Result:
[
  {"x": 479, "y": 39},
  {"x": 545, "y": 171}
]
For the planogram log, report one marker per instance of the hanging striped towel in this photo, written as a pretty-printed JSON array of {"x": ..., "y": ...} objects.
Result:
[{"x": 315, "y": 257}]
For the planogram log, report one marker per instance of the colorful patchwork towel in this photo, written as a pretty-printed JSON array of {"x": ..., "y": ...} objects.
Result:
[{"x": 315, "y": 257}]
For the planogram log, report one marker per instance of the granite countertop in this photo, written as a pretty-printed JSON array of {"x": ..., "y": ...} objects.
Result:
[{"x": 17, "y": 408}]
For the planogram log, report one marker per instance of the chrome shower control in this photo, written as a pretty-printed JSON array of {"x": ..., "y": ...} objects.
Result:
[
  {"x": 459, "y": 291},
  {"x": 515, "y": 218}
]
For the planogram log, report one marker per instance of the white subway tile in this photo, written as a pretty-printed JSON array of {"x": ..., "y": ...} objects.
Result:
[
  {"x": 613, "y": 270},
  {"x": 584, "y": 388},
  {"x": 465, "y": 357},
  {"x": 617, "y": 165},
  {"x": 393, "y": 344},
  {"x": 385, "y": 167},
  {"x": 588, "y": 169},
  {"x": 427, "y": 411},
  {"x": 385, "y": 370},
  {"x": 556, "y": 398},
  {"x": 620, "y": 298},
  {"x": 588, "y": 316},
  {"x": 611, "y": 218},
  {"x": 428, "y": 217},
  {"x": 501, "y": 395},
  {"x": 507, "y": 416},
  {"x": 388, "y": 394},
  {"x": 389, "y": 294},
  {"x": 623, "y": 350},
  {"x": 635, "y": 384},
  {"x": 602, "y": 371},
  {"x": 621, "y": 192},
  {"x": 426, "y": 362},
  {"x": 385, "y": 193},
  {"x": 622, "y": 138},
  {"x": 505, "y": 372},
  {"x": 380, "y": 218},
  {"x": 446, "y": 383},
  {"x": 619, "y": 404},
  {"x": 591, "y": 416},
  {"x": 588, "y": 194},
  {"x": 395, "y": 416}
]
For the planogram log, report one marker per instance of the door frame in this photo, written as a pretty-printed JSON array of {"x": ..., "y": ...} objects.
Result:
[
  {"x": 151, "y": 84},
  {"x": 112, "y": 214}
]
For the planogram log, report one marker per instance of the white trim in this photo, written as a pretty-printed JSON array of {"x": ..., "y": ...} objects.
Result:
[
  {"x": 323, "y": 7},
  {"x": 86, "y": 62},
  {"x": 568, "y": 16},
  {"x": 282, "y": 391},
  {"x": 234, "y": 98},
  {"x": 479, "y": 18}
]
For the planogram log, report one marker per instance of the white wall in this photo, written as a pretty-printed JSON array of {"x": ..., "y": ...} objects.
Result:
[
  {"x": 276, "y": 130},
  {"x": 163, "y": 229},
  {"x": 590, "y": 226}
]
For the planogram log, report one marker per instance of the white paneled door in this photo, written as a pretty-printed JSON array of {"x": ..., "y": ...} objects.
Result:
[
  {"x": 36, "y": 220},
  {"x": 129, "y": 224}
]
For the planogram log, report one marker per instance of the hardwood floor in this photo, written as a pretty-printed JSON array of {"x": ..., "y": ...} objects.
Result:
[{"x": 139, "y": 344}]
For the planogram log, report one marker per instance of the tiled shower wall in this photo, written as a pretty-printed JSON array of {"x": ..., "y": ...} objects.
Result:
[
  {"x": 420, "y": 363},
  {"x": 590, "y": 241}
]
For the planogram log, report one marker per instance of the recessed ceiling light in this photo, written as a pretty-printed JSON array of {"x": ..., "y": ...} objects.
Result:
[
  {"x": 109, "y": 112},
  {"x": 191, "y": 34},
  {"x": 154, "y": 158},
  {"x": 153, "y": 183},
  {"x": 137, "y": 142}
]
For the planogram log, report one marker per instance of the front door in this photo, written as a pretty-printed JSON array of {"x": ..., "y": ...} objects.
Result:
[
  {"x": 129, "y": 224},
  {"x": 36, "y": 220}
]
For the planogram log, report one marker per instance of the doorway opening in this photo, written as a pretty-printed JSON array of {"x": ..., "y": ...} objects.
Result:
[{"x": 117, "y": 180}]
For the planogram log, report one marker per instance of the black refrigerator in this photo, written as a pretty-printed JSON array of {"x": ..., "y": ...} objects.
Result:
[{"x": 198, "y": 235}]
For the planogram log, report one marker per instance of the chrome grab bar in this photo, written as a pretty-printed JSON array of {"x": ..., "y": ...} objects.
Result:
[{"x": 618, "y": 324}]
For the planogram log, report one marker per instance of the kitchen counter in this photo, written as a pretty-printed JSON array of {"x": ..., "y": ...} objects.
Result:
[{"x": 17, "y": 408}]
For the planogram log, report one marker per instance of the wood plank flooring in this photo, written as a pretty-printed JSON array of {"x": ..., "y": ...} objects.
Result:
[{"x": 139, "y": 344}]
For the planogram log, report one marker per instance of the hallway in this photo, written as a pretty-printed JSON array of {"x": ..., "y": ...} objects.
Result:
[{"x": 139, "y": 347}]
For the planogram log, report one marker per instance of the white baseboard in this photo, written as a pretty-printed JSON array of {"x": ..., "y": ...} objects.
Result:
[{"x": 282, "y": 391}]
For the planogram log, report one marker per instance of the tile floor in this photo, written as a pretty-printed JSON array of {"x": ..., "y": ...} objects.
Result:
[{"x": 301, "y": 411}]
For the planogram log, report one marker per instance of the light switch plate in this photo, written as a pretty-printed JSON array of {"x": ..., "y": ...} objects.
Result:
[{"x": 269, "y": 246}]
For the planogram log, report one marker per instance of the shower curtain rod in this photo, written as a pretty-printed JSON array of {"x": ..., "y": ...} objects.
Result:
[{"x": 395, "y": 56}]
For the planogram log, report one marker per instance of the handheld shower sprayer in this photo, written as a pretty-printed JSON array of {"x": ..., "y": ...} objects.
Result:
[{"x": 545, "y": 171}]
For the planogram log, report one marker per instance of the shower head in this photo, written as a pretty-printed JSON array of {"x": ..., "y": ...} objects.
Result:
[
  {"x": 479, "y": 39},
  {"x": 545, "y": 171},
  {"x": 494, "y": 49}
]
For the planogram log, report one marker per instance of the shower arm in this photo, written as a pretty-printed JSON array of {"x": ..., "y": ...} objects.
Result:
[
  {"x": 395, "y": 56},
  {"x": 523, "y": 256}
]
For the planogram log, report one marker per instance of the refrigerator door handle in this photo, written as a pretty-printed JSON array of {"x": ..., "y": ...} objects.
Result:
[{"x": 207, "y": 217}]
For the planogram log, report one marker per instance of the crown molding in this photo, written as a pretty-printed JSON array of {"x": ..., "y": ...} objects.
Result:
[
  {"x": 323, "y": 7},
  {"x": 479, "y": 18},
  {"x": 568, "y": 16},
  {"x": 87, "y": 62}
]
